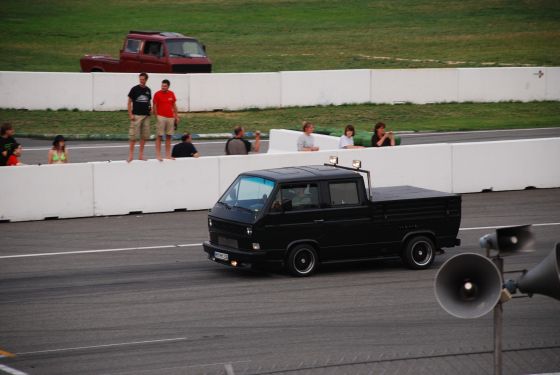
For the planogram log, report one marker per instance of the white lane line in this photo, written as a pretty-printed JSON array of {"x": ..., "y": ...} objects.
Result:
[
  {"x": 151, "y": 371},
  {"x": 199, "y": 244},
  {"x": 174, "y": 339},
  {"x": 99, "y": 251},
  {"x": 11, "y": 371},
  {"x": 505, "y": 226},
  {"x": 118, "y": 146}
]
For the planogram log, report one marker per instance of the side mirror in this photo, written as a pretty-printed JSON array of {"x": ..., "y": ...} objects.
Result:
[{"x": 204, "y": 48}]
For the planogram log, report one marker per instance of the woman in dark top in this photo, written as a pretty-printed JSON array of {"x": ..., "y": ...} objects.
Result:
[{"x": 380, "y": 138}]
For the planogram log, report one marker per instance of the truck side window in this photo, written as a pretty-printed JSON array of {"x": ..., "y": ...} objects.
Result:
[
  {"x": 152, "y": 48},
  {"x": 298, "y": 197},
  {"x": 132, "y": 46},
  {"x": 344, "y": 193}
]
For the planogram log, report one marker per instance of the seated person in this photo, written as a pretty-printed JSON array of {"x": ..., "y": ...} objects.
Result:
[
  {"x": 347, "y": 139},
  {"x": 185, "y": 149},
  {"x": 306, "y": 142},
  {"x": 381, "y": 138}
]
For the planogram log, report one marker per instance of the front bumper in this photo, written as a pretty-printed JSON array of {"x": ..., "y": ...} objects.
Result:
[{"x": 241, "y": 257}]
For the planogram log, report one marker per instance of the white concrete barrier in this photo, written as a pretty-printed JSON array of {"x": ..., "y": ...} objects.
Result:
[
  {"x": 325, "y": 87},
  {"x": 501, "y": 84},
  {"x": 419, "y": 86},
  {"x": 42, "y": 90},
  {"x": 116, "y": 188},
  {"x": 506, "y": 165},
  {"x": 282, "y": 140},
  {"x": 154, "y": 186},
  {"x": 425, "y": 166},
  {"x": 552, "y": 76},
  {"x": 36, "y": 192},
  {"x": 110, "y": 90},
  {"x": 234, "y": 91}
]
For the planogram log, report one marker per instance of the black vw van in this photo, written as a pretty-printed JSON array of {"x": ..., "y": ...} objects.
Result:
[{"x": 303, "y": 216}]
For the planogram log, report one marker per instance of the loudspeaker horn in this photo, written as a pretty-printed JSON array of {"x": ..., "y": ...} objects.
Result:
[
  {"x": 544, "y": 278},
  {"x": 468, "y": 285},
  {"x": 509, "y": 240}
]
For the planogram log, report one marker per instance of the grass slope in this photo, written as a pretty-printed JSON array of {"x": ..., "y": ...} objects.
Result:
[
  {"x": 430, "y": 117},
  {"x": 267, "y": 35}
]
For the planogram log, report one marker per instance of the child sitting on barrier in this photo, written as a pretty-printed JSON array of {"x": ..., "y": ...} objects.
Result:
[
  {"x": 347, "y": 139},
  {"x": 13, "y": 159}
]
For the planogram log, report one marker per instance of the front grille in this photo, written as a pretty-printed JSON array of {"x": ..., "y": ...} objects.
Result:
[
  {"x": 194, "y": 68},
  {"x": 228, "y": 242},
  {"x": 223, "y": 226}
]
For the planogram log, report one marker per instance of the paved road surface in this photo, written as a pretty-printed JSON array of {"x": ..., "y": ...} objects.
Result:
[
  {"x": 35, "y": 151},
  {"x": 157, "y": 308}
]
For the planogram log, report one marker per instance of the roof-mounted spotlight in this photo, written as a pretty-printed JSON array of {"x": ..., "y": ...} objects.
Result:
[
  {"x": 356, "y": 164},
  {"x": 333, "y": 160}
]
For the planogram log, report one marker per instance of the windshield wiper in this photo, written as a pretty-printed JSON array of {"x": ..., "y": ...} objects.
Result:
[
  {"x": 182, "y": 55},
  {"x": 245, "y": 209},
  {"x": 225, "y": 204}
]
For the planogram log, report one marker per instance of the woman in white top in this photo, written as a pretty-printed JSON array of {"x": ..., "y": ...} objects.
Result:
[{"x": 347, "y": 140}]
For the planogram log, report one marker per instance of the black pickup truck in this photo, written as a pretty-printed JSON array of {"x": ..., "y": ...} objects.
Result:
[{"x": 304, "y": 216}]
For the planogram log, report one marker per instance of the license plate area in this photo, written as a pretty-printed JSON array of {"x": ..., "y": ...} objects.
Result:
[{"x": 221, "y": 256}]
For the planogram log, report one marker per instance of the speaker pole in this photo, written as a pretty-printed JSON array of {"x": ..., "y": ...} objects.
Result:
[{"x": 498, "y": 312}]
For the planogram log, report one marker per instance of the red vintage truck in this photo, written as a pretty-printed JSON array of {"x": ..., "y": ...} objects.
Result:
[{"x": 153, "y": 52}]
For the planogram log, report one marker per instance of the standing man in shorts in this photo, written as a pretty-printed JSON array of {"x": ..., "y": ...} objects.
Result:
[
  {"x": 165, "y": 107},
  {"x": 139, "y": 110}
]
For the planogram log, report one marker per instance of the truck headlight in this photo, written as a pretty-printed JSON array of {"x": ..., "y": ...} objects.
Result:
[
  {"x": 249, "y": 231},
  {"x": 256, "y": 246},
  {"x": 209, "y": 222}
]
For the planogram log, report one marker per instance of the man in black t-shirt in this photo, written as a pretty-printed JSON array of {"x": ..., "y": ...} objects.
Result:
[
  {"x": 185, "y": 149},
  {"x": 7, "y": 143},
  {"x": 139, "y": 110}
]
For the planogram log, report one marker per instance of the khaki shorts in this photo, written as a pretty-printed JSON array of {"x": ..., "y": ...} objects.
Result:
[
  {"x": 139, "y": 126},
  {"x": 165, "y": 125}
]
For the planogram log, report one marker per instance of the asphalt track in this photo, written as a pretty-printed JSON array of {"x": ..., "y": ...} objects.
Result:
[
  {"x": 36, "y": 151},
  {"x": 136, "y": 295}
]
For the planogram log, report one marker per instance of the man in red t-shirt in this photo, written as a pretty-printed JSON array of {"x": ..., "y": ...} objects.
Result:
[{"x": 165, "y": 107}]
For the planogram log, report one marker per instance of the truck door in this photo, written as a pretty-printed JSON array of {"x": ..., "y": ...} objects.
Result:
[
  {"x": 153, "y": 58},
  {"x": 295, "y": 215},
  {"x": 348, "y": 221},
  {"x": 130, "y": 56}
]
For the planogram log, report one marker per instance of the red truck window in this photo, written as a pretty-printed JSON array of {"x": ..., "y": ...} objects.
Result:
[
  {"x": 132, "y": 46},
  {"x": 152, "y": 48}
]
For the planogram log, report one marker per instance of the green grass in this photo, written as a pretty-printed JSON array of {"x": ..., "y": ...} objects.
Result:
[
  {"x": 430, "y": 117},
  {"x": 274, "y": 35}
]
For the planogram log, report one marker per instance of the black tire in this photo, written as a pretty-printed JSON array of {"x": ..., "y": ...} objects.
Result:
[
  {"x": 302, "y": 261},
  {"x": 419, "y": 253}
]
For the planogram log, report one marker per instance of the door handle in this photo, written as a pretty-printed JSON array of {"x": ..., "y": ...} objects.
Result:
[{"x": 319, "y": 221}]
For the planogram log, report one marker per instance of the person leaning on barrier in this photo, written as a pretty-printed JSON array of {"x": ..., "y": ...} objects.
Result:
[
  {"x": 306, "y": 142},
  {"x": 381, "y": 138},
  {"x": 347, "y": 139},
  {"x": 185, "y": 149},
  {"x": 58, "y": 153},
  {"x": 139, "y": 111},
  {"x": 240, "y": 146},
  {"x": 7, "y": 143}
]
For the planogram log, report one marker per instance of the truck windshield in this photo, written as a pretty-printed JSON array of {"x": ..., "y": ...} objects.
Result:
[
  {"x": 248, "y": 193},
  {"x": 185, "y": 48}
]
